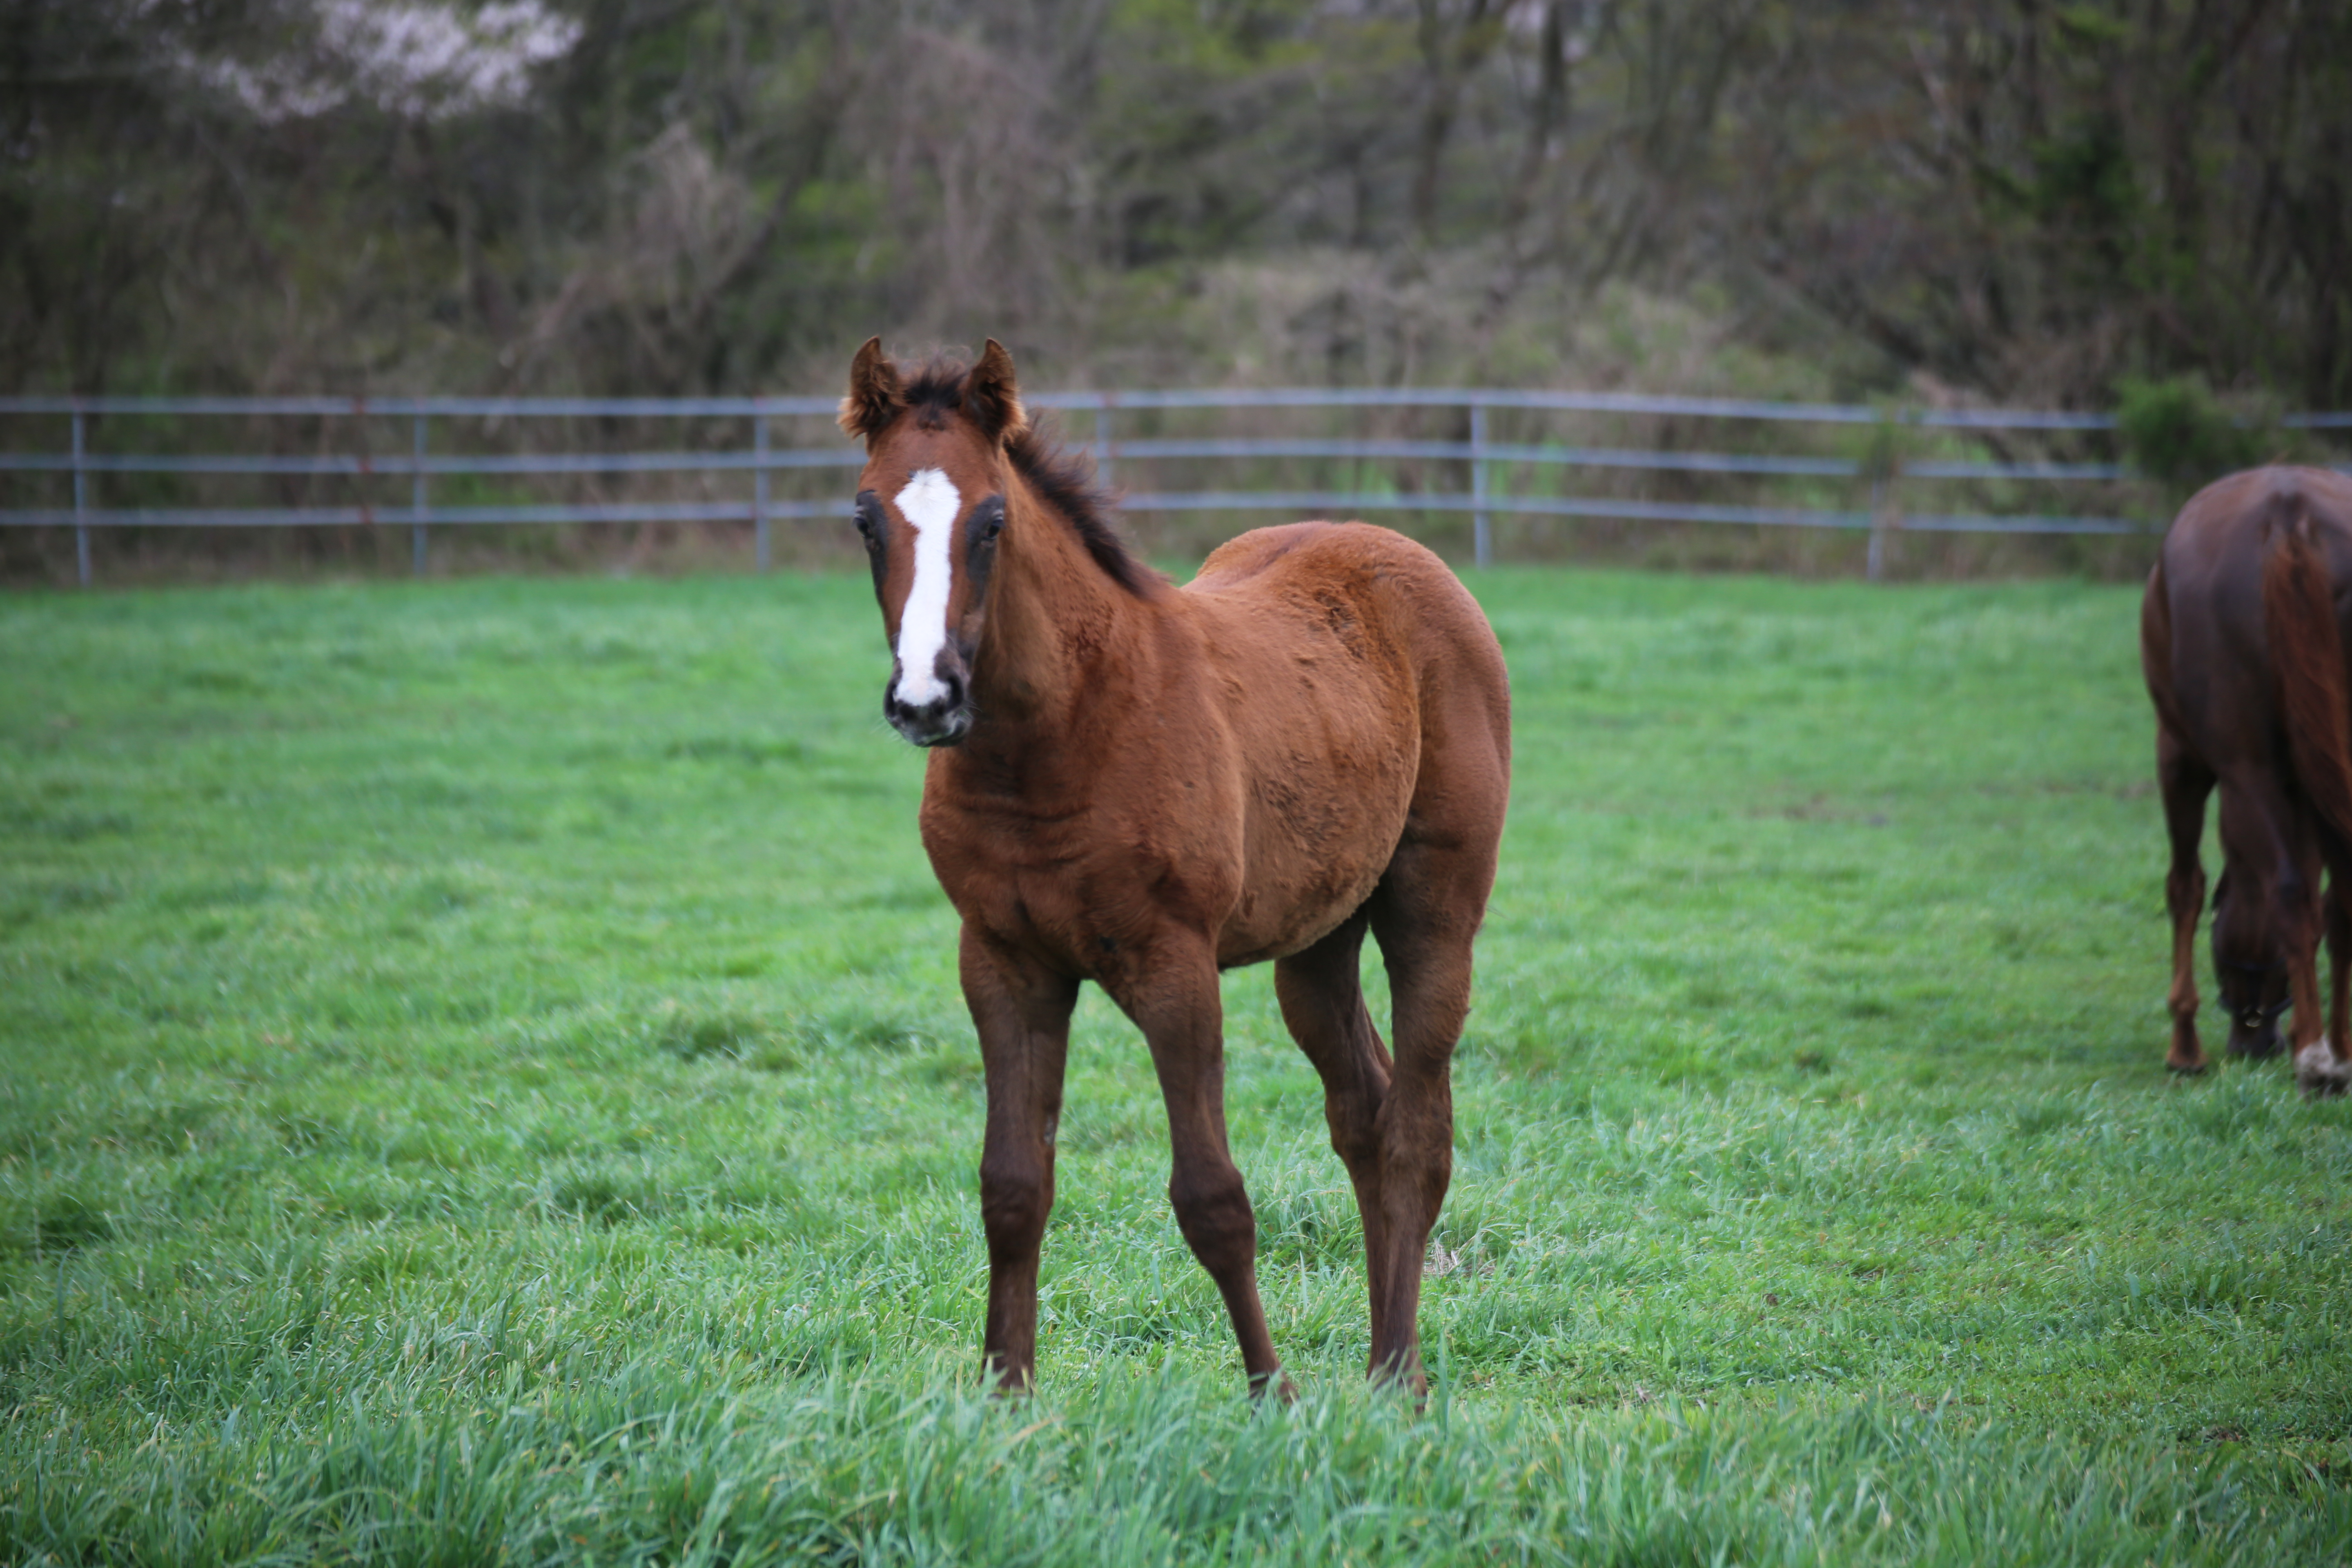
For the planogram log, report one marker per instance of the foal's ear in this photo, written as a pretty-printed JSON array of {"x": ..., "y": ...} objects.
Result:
[
  {"x": 874, "y": 398},
  {"x": 991, "y": 399}
]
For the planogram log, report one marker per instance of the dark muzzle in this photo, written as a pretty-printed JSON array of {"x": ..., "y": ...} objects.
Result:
[{"x": 940, "y": 719}]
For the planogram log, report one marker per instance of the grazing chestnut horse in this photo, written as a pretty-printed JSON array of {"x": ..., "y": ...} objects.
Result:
[
  {"x": 1140, "y": 785},
  {"x": 2244, "y": 638}
]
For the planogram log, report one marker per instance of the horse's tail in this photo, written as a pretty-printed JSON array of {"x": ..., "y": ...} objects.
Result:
[{"x": 2314, "y": 694}]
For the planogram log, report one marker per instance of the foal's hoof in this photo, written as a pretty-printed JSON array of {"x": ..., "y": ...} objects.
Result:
[
  {"x": 1412, "y": 1383},
  {"x": 2186, "y": 1069},
  {"x": 2318, "y": 1072},
  {"x": 1276, "y": 1385}
]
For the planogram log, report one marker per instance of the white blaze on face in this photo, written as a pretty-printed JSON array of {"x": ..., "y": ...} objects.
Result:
[{"x": 930, "y": 504}]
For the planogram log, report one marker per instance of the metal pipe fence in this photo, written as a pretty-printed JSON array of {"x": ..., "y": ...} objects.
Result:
[{"x": 1486, "y": 463}]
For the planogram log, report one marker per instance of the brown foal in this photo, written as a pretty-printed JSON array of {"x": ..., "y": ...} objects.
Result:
[
  {"x": 1140, "y": 785},
  {"x": 2243, "y": 636}
]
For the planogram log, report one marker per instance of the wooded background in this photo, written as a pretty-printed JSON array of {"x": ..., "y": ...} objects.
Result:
[{"x": 2013, "y": 200}]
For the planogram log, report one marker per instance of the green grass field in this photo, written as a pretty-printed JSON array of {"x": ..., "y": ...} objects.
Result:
[{"x": 481, "y": 1076}]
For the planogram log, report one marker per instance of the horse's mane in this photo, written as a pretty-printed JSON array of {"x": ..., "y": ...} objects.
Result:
[{"x": 1063, "y": 480}]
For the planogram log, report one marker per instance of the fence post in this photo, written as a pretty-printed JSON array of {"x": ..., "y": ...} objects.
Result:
[
  {"x": 1482, "y": 529},
  {"x": 1884, "y": 463},
  {"x": 416, "y": 505},
  {"x": 1877, "y": 531},
  {"x": 81, "y": 504},
  {"x": 1103, "y": 440},
  {"x": 1884, "y": 519},
  {"x": 760, "y": 482}
]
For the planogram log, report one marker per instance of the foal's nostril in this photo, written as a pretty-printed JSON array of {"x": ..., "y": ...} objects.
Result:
[{"x": 940, "y": 718}]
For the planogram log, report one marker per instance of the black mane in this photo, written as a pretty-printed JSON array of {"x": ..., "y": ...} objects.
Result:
[{"x": 1063, "y": 480}]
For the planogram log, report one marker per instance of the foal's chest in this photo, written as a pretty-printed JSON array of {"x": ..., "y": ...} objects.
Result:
[{"x": 1080, "y": 886}]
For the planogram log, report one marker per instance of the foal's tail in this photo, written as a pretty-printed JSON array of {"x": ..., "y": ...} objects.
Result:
[{"x": 2315, "y": 695}]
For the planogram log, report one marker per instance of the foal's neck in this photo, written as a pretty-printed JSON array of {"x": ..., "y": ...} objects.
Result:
[{"x": 1060, "y": 638}]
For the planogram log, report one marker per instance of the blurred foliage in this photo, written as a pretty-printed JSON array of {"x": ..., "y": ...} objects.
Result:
[
  {"x": 2176, "y": 432},
  {"x": 1994, "y": 198}
]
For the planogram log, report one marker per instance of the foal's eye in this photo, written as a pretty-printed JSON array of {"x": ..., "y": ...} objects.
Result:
[{"x": 991, "y": 523}]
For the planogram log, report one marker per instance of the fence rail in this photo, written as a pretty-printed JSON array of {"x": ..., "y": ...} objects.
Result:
[{"x": 1483, "y": 500}]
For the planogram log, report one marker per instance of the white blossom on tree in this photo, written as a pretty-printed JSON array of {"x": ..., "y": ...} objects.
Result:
[{"x": 411, "y": 58}]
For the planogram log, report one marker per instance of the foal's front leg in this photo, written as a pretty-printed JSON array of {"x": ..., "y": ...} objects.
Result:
[
  {"x": 1023, "y": 1014},
  {"x": 1175, "y": 1000}
]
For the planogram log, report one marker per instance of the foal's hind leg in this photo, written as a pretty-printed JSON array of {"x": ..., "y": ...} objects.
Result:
[
  {"x": 1424, "y": 914},
  {"x": 1322, "y": 996},
  {"x": 2185, "y": 782}
]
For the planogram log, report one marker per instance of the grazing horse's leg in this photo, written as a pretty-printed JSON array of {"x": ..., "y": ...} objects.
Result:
[
  {"x": 2339, "y": 965},
  {"x": 2307, "y": 1013},
  {"x": 1177, "y": 1003},
  {"x": 1322, "y": 996},
  {"x": 1022, "y": 1015},
  {"x": 2185, "y": 782}
]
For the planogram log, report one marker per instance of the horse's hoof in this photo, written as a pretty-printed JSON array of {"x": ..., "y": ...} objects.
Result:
[
  {"x": 2186, "y": 1069},
  {"x": 2318, "y": 1072}
]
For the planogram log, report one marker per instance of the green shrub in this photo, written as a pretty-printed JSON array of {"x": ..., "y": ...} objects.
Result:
[{"x": 2179, "y": 434}]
